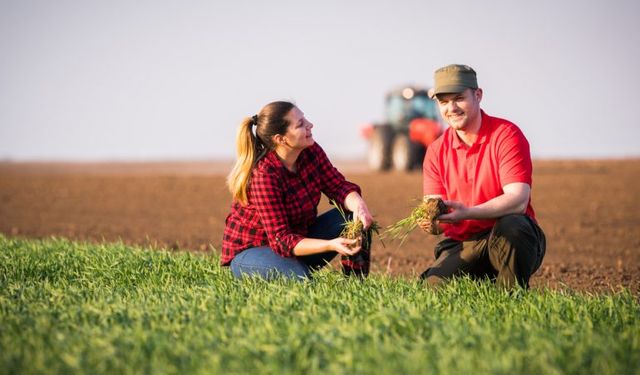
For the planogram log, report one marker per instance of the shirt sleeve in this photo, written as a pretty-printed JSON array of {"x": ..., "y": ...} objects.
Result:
[
  {"x": 267, "y": 195},
  {"x": 334, "y": 185},
  {"x": 514, "y": 158},
  {"x": 431, "y": 178}
]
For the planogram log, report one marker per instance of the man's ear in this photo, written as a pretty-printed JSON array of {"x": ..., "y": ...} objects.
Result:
[{"x": 479, "y": 94}]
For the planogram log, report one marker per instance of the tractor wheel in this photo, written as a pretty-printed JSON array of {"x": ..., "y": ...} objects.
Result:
[
  {"x": 379, "y": 154},
  {"x": 406, "y": 154},
  {"x": 401, "y": 155}
]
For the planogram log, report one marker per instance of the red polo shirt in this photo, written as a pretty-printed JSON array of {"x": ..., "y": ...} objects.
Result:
[{"x": 475, "y": 174}]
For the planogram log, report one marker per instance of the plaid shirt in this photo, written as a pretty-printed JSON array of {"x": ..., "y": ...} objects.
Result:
[{"x": 282, "y": 204}]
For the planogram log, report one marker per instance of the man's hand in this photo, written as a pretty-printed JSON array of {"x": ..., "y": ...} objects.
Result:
[
  {"x": 457, "y": 211},
  {"x": 514, "y": 200},
  {"x": 430, "y": 227}
]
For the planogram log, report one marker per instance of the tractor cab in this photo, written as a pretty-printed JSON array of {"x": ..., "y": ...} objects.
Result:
[
  {"x": 411, "y": 123},
  {"x": 402, "y": 106}
]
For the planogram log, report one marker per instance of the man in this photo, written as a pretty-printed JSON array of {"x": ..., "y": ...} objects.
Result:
[{"x": 481, "y": 168}]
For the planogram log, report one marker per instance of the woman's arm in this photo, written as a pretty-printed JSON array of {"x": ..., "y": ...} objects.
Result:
[
  {"x": 266, "y": 194},
  {"x": 309, "y": 246},
  {"x": 338, "y": 189}
]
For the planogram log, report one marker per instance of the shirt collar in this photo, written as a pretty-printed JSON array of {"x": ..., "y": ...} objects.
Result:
[
  {"x": 484, "y": 129},
  {"x": 272, "y": 159},
  {"x": 456, "y": 143},
  {"x": 482, "y": 135}
]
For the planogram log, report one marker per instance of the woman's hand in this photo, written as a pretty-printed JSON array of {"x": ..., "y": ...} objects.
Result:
[
  {"x": 345, "y": 246},
  {"x": 356, "y": 204},
  {"x": 362, "y": 213}
]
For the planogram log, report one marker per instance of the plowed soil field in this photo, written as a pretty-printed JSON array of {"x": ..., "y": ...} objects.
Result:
[{"x": 589, "y": 210}]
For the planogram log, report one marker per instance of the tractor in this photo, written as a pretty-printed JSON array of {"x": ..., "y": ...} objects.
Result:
[{"x": 412, "y": 123}]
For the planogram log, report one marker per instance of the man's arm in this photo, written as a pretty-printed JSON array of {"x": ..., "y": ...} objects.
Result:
[{"x": 514, "y": 200}]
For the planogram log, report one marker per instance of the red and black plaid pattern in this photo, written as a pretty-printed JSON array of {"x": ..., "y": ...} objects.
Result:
[{"x": 282, "y": 204}]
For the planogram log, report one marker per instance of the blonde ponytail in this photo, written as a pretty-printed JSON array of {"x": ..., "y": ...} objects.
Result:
[
  {"x": 246, "y": 145},
  {"x": 271, "y": 120}
]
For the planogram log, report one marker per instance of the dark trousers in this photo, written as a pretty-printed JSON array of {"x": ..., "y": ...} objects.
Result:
[{"x": 509, "y": 253}]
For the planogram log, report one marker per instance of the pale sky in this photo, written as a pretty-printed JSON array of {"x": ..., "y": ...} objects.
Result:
[{"x": 171, "y": 80}]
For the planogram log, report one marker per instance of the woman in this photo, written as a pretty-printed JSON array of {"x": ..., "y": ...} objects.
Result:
[{"x": 276, "y": 185}]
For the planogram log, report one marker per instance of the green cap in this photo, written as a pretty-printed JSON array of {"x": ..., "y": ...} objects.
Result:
[{"x": 453, "y": 78}]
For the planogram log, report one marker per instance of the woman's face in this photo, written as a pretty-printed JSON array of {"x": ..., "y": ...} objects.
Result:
[{"x": 298, "y": 135}]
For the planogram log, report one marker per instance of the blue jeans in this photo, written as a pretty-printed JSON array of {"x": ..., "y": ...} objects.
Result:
[{"x": 264, "y": 262}]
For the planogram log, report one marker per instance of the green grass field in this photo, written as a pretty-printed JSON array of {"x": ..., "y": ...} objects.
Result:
[{"x": 68, "y": 307}]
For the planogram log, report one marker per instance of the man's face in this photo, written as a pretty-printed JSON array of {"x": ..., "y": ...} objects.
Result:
[{"x": 460, "y": 110}]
